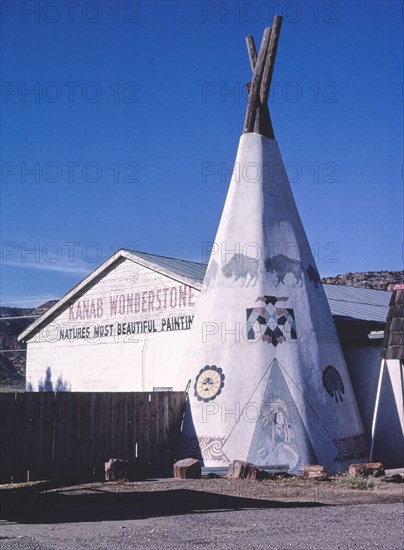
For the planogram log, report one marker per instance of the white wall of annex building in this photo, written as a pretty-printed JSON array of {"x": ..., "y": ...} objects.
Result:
[{"x": 71, "y": 349}]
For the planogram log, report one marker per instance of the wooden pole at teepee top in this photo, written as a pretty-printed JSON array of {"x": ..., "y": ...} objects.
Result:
[
  {"x": 254, "y": 97},
  {"x": 252, "y": 54},
  {"x": 270, "y": 59},
  {"x": 257, "y": 118},
  {"x": 252, "y": 51}
]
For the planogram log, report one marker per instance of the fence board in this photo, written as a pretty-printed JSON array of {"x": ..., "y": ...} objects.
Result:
[
  {"x": 141, "y": 411},
  {"x": 69, "y": 436},
  {"x": 26, "y": 415},
  {"x": 99, "y": 420},
  {"x": 8, "y": 408}
]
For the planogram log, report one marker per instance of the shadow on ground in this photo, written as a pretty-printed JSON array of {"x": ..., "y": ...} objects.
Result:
[{"x": 71, "y": 505}]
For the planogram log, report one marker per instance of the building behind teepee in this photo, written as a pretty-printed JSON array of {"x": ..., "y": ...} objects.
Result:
[
  {"x": 388, "y": 420},
  {"x": 268, "y": 379}
]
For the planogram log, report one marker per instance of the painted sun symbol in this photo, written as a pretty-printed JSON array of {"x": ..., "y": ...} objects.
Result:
[{"x": 209, "y": 383}]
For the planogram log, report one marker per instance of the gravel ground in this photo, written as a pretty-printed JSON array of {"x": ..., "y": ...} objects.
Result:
[
  {"x": 220, "y": 513},
  {"x": 363, "y": 526}
]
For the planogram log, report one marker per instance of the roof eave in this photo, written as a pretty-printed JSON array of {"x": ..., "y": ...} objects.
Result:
[{"x": 115, "y": 258}]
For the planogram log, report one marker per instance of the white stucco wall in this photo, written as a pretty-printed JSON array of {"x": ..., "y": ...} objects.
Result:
[
  {"x": 129, "y": 293},
  {"x": 389, "y": 427},
  {"x": 363, "y": 362}
]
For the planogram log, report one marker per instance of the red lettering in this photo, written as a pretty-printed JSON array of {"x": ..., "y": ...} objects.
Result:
[
  {"x": 158, "y": 299},
  {"x": 173, "y": 297},
  {"x": 86, "y": 309},
  {"x": 151, "y": 300},
  {"x": 92, "y": 309},
  {"x": 182, "y": 300},
  {"x": 190, "y": 296},
  {"x": 99, "y": 307},
  {"x": 144, "y": 298},
  {"x": 71, "y": 312},
  {"x": 165, "y": 290},
  {"x": 113, "y": 304},
  {"x": 129, "y": 303},
  {"x": 79, "y": 314}
]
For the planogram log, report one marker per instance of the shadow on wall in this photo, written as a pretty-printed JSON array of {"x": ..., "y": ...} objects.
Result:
[
  {"x": 189, "y": 446},
  {"x": 47, "y": 384}
]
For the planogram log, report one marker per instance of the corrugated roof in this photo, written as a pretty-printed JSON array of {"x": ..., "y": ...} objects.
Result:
[
  {"x": 345, "y": 301},
  {"x": 192, "y": 270},
  {"x": 358, "y": 303}
]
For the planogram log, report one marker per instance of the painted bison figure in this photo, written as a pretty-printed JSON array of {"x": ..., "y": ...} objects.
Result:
[
  {"x": 282, "y": 265},
  {"x": 242, "y": 268}
]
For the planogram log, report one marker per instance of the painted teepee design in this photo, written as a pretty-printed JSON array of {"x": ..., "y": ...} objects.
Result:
[{"x": 269, "y": 382}]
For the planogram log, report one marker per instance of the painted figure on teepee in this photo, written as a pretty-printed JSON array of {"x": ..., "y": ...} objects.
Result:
[{"x": 269, "y": 383}]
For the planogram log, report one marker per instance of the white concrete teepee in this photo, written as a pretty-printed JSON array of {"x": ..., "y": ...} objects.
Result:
[{"x": 269, "y": 382}]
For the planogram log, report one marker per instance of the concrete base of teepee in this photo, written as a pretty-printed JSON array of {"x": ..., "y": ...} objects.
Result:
[{"x": 269, "y": 382}]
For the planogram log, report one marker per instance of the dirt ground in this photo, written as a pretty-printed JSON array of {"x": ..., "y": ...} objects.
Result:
[
  {"x": 168, "y": 496},
  {"x": 221, "y": 513}
]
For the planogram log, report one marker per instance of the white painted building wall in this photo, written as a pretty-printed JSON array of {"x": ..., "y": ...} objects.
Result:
[
  {"x": 71, "y": 345},
  {"x": 389, "y": 421},
  {"x": 363, "y": 362}
]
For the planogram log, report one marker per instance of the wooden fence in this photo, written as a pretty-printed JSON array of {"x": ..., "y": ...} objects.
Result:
[{"x": 69, "y": 436}]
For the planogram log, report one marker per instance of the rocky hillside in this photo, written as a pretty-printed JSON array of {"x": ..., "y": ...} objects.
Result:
[
  {"x": 13, "y": 320},
  {"x": 378, "y": 280}
]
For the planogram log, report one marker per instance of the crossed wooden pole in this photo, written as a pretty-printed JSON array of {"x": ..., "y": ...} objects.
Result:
[{"x": 257, "y": 118}]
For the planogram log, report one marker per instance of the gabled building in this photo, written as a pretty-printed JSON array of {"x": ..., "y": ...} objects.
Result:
[
  {"x": 123, "y": 328},
  {"x": 126, "y": 325}
]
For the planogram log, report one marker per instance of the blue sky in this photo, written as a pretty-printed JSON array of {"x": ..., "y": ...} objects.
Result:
[{"x": 132, "y": 124}]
